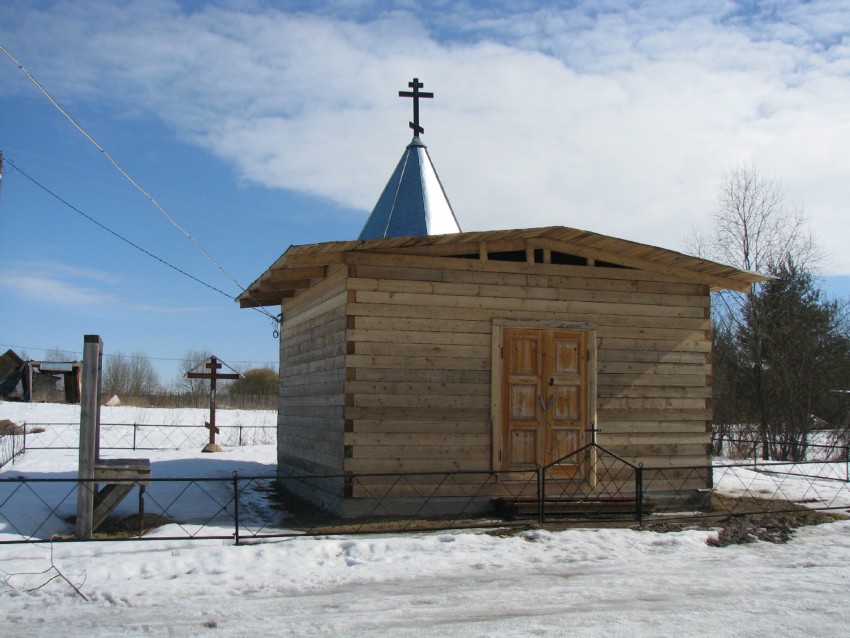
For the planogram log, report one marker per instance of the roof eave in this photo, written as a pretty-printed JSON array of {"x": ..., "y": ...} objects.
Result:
[{"x": 270, "y": 289}]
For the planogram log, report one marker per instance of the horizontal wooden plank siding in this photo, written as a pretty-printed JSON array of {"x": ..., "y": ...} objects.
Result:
[
  {"x": 420, "y": 346},
  {"x": 312, "y": 391},
  {"x": 386, "y": 367}
]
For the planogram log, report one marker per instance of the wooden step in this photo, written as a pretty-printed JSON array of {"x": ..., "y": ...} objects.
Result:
[
  {"x": 119, "y": 477},
  {"x": 134, "y": 471}
]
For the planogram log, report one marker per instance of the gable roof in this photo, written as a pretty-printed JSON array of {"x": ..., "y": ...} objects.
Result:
[
  {"x": 301, "y": 266},
  {"x": 413, "y": 201}
]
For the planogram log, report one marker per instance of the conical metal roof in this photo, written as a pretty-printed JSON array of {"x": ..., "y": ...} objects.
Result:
[{"x": 413, "y": 202}]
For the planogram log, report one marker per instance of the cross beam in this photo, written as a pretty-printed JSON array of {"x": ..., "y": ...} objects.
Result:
[
  {"x": 213, "y": 375},
  {"x": 415, "y": 94}
]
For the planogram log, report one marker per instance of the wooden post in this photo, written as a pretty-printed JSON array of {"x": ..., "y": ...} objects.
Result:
[
  {"x": 89, "y": 430},
  {"x": 28, "y": 382},
  {"x": 213, "y": 375}
]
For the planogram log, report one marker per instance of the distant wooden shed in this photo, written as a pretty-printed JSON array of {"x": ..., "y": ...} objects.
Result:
[{"x": 490, "y": 351}]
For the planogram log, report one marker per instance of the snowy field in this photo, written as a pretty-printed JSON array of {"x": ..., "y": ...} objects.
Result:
[{"x": 582, "y": 582}]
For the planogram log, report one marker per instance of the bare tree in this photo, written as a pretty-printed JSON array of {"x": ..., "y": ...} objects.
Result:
[
  {"x": 755, "y": 230},
  {"x": 195, "y": 389},
  {"x": 57, "y": 355},
  {"x": 130, "y": 375}
]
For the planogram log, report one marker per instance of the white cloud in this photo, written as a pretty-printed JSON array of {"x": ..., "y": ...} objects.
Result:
[
  {"x": 616, "y": 120},
  {"x": 64, "y": 270},
  {"x": 53, "y": 290},
  {"x": 65, "y": 285}
]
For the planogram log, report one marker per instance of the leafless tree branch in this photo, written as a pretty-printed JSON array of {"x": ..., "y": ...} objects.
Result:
[{"x": 57, "y": 573}]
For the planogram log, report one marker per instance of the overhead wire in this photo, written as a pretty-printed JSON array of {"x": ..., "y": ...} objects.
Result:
[
  {"x": 210, "y": 207},
  {"x": 117, "y": 165},
  {"x": 115, "y": 234},
  {"x": 138, "y": 186}
]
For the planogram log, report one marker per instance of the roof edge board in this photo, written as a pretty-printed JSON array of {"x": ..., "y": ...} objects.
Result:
[
  {"x": 559, "y": 238},
  {"x": 687, "y": 274}
]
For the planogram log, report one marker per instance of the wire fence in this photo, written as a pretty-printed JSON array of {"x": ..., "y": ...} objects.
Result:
[
  {"x": 591, "y": 485},
  {"x": 11, "y": 447},
  {"x": 200, "y": 400},
  {"x": 144, "y": 436},
  {"x": 818, "y": 445}
]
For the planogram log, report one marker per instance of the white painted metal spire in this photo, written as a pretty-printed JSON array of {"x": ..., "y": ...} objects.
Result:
[{"x": 414, "y": 202}]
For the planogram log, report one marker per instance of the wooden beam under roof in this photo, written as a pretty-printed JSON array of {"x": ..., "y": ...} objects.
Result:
[
  {"x": 256, "y": 299},
  {"x": 625, "y": 259},
  {"x": 318, "y": 258},
  {"x": 308, "y": 262},
  {"x": 298, "y": 272},
  {"x": 271, "y": 285}
]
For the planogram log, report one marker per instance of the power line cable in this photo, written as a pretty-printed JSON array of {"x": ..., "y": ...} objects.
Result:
[
  {"x": 263, "y": 311},
  {"x": 273, "y": 318},
  {"x": 125, "y": 174},
  {"x": 218, "y": 207},
  {"x": 115, "y": 234}
]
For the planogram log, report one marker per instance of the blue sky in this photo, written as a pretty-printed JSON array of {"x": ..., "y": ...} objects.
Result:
[{"x": 258, "y": 125}]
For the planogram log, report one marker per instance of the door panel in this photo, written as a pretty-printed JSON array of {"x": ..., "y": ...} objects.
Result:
[
  {"x": 523, "y": 447},
  {"x": 520, "y": 391},
  {"x": 523, "y": 402},
  {"x": 564, "y": 441},
  {"x": 566, "y": 424},
  {"x": 525, "y": 354},
  {"x": 567, "y": 404},
  {"x": 566, "y": 353},
  {"x": 544, "y": 397}
]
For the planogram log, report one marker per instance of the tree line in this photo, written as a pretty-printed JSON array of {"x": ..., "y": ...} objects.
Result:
[
  {"x": 134, "y": 375},
  {"x": 781, "y": 352}
]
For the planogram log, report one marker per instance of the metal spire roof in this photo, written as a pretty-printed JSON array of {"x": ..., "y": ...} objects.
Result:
[{"x": 413, "y": 202}]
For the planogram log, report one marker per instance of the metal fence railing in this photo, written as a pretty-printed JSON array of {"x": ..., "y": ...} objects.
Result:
[
  {"x": 145, "y": 436},
  {"x": 824, "y": 445},
  {"x": 591, "y": 485},
  {"x": 11, "y": 447}
]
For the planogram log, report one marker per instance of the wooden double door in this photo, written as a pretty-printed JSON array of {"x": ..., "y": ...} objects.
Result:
[{"x": 544, "y": 398}]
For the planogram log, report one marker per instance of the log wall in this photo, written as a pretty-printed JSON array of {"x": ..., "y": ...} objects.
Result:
[
  {"x": 312, "y": 386},
  {"x": 386, "y": 365},
  {"x": 419, "y": 391}
]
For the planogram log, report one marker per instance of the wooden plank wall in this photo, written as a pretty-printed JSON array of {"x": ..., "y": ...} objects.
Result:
[
  {"x": 419, "y": 343},
  {"x": 312, "y": 369}
]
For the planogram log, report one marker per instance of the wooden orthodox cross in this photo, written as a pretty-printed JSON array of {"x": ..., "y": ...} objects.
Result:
[
  {"x": 213, "y": 365},
  {"x": 415, "y": 94}
]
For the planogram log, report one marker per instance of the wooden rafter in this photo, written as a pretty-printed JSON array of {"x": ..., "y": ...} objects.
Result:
[{"x": 301, "y": 266}]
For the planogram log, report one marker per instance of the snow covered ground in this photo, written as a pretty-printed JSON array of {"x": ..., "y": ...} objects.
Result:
[{"x": 583, "y": 582}]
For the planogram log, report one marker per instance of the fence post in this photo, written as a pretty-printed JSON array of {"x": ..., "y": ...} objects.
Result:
[
  {"x": 135, "y": 426},
  {"x": 141, "y": 509},
  {"x": 639, "y": 494},
  {"x": 25, "y": 437},
  {"x": 240, "y": 435},
  {"x": 541, "y": 496},
  {"x": 236, "y": 506}
]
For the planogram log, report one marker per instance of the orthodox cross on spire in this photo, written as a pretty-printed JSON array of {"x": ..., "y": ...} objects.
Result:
[{"x": 415, "y": 94}]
